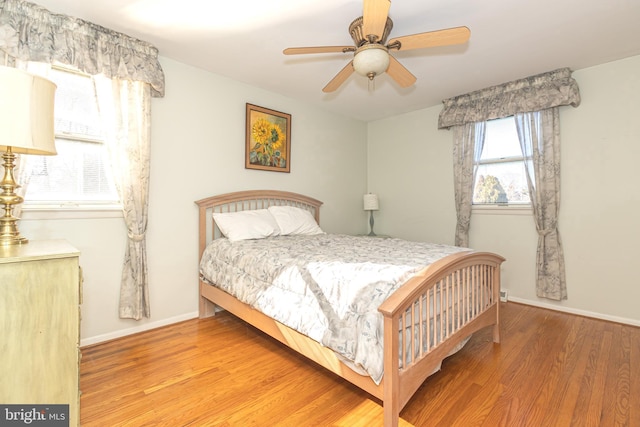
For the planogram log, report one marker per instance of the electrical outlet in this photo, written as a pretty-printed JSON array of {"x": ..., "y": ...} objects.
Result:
[{"x": 504, "y": 295}]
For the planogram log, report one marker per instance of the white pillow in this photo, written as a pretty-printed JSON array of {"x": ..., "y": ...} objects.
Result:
[
  {"x": 244, "y": 225},
  {"x": 293, "y": 220}
]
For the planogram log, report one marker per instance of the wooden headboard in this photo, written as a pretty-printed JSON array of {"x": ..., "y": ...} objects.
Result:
[{"x": 243, "y": 201}]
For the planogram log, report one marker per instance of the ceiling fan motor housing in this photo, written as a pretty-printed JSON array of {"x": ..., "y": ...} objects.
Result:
[{"x": 358, "y": 36}]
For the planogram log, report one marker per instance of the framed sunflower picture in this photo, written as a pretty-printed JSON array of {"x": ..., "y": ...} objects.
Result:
[{"x": 268, "y": 139}]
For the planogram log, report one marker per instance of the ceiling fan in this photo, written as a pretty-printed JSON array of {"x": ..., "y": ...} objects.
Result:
[{"x": 371, "y": 54}]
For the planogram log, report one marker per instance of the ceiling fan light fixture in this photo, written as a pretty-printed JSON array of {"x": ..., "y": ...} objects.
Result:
[{"x": 371, "y": 60}]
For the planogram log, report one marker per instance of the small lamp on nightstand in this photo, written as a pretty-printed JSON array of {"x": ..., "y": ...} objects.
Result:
[
  {"x": 371, "y": 204},
  {"x": 26, "y": 127}
]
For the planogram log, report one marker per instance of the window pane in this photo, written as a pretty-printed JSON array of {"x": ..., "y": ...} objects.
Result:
[
  {"x": 77, "y": 174},
  {"x": 501, "y": 140},
  {"x": 504, "y": 182},
  {"x": 76, "y": 106}
]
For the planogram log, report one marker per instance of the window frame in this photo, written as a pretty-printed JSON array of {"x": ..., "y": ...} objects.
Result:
[{"x": 519, "y": 208}]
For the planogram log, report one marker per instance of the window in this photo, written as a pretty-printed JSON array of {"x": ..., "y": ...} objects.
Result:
[
  {"x": 79, "y": 175},
  {"x": 501, "y": 177}
]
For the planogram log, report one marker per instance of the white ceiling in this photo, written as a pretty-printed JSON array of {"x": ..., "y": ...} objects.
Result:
[{"x": 510, "y": 39}]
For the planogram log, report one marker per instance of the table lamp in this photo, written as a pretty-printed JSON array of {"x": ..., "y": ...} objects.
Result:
[
  {"x": 371, "y": 204},
  {"x": 26, "y": 127}
]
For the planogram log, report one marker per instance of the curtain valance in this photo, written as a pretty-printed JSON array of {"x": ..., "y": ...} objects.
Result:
[
  {"x": 30, "y": 32},
  {"x": 535, "y": 93}
]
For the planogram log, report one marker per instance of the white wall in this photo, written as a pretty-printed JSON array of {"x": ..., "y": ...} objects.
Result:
[
  {"x": 198, "y": 151},
  {"x": 410, "y": 167}
]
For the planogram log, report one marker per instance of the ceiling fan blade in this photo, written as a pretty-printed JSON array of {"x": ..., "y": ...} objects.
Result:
[
  {"x": 318, "y": 49},
  {"x": 457, "y": 35},
  {"x": 399, "y": 73},
  {"x": 374, "y": 17},
  {"x": 339, "y": 78}
]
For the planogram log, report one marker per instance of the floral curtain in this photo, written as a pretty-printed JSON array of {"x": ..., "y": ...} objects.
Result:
[
  {"x": 29, "y": 32},
  {"x": 125, "y": 109},
  {"x": 468, "y": 141},
  {"x": 539, "y": 135},
  {"x": 535, "y": 93},
  {"x": 130, "y": 74}
]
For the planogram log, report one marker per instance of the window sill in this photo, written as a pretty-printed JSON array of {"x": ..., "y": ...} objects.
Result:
[
  {"x": 502, "y": 209},
  {"x": 39, "y": 212}
]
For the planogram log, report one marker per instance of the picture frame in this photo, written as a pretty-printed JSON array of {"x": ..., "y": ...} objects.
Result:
[{"x": 267, "y": 139}]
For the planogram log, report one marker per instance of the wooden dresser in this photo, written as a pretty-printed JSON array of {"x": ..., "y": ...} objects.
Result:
[{"x": 40, "y": 296}]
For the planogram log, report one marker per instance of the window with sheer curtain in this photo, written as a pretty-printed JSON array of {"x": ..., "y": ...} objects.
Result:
[
  {"x": 80, "y": 175},
  {"x": 500, "y": 176}
]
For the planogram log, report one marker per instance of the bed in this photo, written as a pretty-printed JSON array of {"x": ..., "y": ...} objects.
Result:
[{"x": 427, "y": 317}]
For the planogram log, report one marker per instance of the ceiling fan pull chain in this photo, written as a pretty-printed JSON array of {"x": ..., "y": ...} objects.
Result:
[{"x": 371, "y": 85}]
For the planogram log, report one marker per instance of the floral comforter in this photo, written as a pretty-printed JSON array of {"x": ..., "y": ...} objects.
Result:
[{"x": 325, "y": 286}]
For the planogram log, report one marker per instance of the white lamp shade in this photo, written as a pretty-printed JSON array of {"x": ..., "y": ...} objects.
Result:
[
  {"x": 26, "y": 112},
  {"x": 371, "y": 202},
  {"x": 371, "y": 59}
]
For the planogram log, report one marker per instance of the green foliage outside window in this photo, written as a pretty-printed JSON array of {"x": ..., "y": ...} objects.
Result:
[{"x": 489, "y": 190}]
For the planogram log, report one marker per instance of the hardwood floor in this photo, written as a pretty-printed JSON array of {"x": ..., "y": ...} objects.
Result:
[{"x": 551, "y": 369}]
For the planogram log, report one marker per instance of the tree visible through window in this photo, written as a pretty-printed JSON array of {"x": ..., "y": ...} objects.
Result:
[
  {"x": 79, "y": 174},
  {"x": 501, "y": 177}
]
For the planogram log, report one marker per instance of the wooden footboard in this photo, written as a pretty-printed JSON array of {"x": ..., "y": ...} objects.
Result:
[
  {"x": 435, "y": 311},
  {"x": 424, "y": 321}
]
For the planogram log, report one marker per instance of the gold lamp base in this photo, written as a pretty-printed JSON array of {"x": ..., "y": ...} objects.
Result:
[{"x": 9, "y": 234}]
